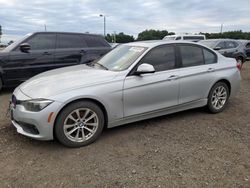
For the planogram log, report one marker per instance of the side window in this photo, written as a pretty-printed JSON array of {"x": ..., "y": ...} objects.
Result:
[
  {"x": 221, "y": 45},
  {"x": 209, "y": 56},
  {"x": 236, "y": 44},
  {"x": 95, "y": 41},
  {"x": 248, "y": 45},
  {"x": 191, "y": 55},
  {"x": 178, "y": 38},
  {"x": 230, "y": 44},
  {"x": 42, "y": 41},
  {"x": 162, "y": 58},
  {"x": 70, "y": 41}
]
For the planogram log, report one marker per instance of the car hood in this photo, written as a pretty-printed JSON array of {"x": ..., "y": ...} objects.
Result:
[
  {"x": 3, "y": 54},
  {"x": 61, "y": 80}
]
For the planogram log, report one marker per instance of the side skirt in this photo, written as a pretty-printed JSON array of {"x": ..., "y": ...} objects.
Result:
[{"x": 156, "y": 113}]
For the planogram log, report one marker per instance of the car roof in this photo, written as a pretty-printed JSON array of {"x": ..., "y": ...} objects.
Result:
[
  {"x": 184, "y": 35},
  {"x": 60, "y": 32},
  {"x": 153, "y": 43},
  {"x": 220, "y": 40}
]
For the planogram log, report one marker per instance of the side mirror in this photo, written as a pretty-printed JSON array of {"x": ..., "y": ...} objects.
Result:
[
  {"x": 24, "y": 47},
  {"x": 144, "y": 69},
  {"x": 217, "y": 48}
]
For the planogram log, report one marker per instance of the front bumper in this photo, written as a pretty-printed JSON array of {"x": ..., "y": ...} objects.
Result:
[{"x": 34, "y": 124}]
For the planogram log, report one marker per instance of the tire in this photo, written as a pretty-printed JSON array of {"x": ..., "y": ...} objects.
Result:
[
  {"x": 1, "y": 84},
  {"x": 218, "y": 97},
  {"x": 79, "y": 124}
]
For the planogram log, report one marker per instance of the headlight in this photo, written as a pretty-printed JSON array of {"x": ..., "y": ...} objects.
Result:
[{"x": 36, "y": 105}]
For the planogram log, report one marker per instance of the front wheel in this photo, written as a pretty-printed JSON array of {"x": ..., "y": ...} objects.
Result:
[
  {"x": 79, "y": 124},
  {"x": 218, "y": 97}
]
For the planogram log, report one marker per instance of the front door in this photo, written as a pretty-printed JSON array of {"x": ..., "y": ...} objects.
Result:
[
  {"x": 156, "y": 91},
  {"x": 21, "y": 66}
]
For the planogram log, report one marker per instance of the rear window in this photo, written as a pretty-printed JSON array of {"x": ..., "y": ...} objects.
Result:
[
  {"x": 70, "y": 41},
  {"x": 193, "y": 38}
]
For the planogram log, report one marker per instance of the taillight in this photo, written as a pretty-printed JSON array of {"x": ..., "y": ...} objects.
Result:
[{"x": 238, "y": 65}]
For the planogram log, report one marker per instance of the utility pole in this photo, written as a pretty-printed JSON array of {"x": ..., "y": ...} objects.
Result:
[
  {"x": 45, "y": 28},
  {"x": 104, "y": 24},
  {"x": 221, "y": 28},
  {"x": 114, "y": 37},
  {"x": 0, "y": 33}
]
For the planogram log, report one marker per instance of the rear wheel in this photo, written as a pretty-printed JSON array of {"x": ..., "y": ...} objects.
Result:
[
  {"x": 79, "y": 124},
  {"x": 1, "y": 84},
  {"x": 218, "y": 97}
]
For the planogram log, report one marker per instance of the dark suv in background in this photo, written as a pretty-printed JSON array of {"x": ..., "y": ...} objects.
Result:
[
  {"x": 227, "y": 47},
  {"x": 246, "y": 45},
  {"x": 42, "y": 51}
]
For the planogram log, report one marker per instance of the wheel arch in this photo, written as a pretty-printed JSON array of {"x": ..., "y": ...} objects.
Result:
[
  {"x": 97, "y": 102},
  {"x": 227, "y": 82}
]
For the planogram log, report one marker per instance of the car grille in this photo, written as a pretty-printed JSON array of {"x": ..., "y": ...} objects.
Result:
[{"x": 28, "y": 127}]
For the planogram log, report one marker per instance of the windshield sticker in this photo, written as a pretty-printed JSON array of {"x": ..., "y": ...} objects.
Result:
[{"x": 136, "y": 49}]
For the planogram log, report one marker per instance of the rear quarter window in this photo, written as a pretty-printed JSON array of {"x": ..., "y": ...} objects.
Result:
[
  {"x": 209, "y": 56},
  {"x": 95, "y": 41}
]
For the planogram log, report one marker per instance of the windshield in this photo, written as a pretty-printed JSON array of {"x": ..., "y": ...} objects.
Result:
[
  {"x": 210, "y": 44},
  {"x": 121, "y": 57}
]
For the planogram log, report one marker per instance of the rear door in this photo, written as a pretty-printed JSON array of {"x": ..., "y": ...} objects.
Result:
[
  {"x": 97, "y": 46},
  {"x": 247, "y": 48},
  {"x": 71, "y": 49},
  {"x": 197, "y": 72},
  {"x": 40, "y": 58},
  {"x": 231, "y": 48}
]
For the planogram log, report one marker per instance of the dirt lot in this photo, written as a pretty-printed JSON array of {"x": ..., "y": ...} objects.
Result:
[{"x": 187, "y": 149}]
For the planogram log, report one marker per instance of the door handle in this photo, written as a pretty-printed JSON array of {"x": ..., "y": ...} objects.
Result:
[
  {"x": 172, "y": 77},
  {"x": 82, "y": 51},
  {"x": 46, "y": 53},
  {"x": 210, "y": 69}
]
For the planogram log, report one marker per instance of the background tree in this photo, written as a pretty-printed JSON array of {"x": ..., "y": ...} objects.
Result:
[
  {"x": 153, "y": 34},
  {"x": 120, "y": 38},
  {"x": 229, "y": 34}
]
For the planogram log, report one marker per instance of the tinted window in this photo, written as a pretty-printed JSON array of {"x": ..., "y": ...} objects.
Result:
[
  {"x": 209, "y": 57},
  {"x": 70, "y": 41},
  {"x": 248, "y": 45},
  {"x": 221, "y": 45},
  {"x": 95, "y": 41},
  {"x": 162, "y": 58},
  {"x": 196, "y": 38},
  {"x": 230, "y": 44},
  {"x": 42, "y": 41},
  {"x": 191, "y": 55},
  {"x": 178, "y": 38}
]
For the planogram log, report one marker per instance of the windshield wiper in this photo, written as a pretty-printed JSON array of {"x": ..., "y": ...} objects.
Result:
[
  {"x": 100, "y": 65},
  {"x": 93, "y": 63}
]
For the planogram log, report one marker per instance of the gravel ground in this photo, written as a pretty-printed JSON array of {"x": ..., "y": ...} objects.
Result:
[{"x": 187, "y": 149}]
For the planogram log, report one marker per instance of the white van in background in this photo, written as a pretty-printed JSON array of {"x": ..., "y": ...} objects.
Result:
[{"x": 188, "y": 37}]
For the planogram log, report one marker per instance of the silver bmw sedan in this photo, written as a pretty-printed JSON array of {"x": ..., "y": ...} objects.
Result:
[{"x": 135, "y": 81}]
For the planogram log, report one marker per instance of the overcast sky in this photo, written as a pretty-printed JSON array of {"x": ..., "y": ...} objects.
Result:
[{"x": 19, "y": 17}]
